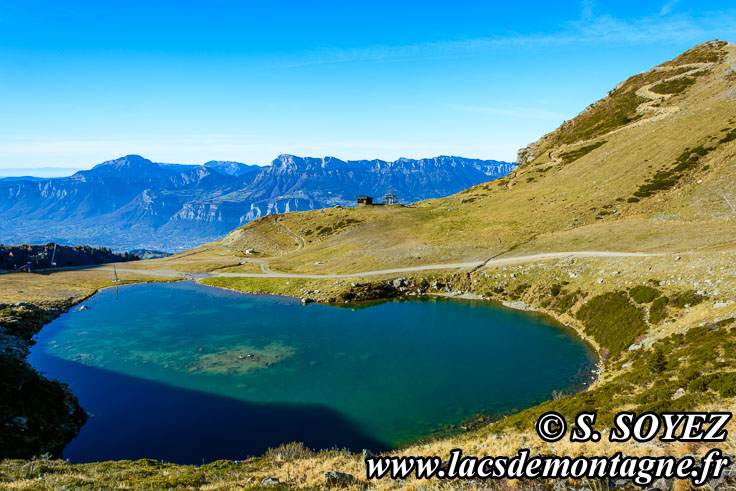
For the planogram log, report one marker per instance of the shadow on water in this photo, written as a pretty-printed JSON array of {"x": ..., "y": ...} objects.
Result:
[{"x": 144, "y": 419}]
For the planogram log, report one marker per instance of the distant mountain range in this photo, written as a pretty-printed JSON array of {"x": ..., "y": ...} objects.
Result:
[{"x": 131, "y": 202}]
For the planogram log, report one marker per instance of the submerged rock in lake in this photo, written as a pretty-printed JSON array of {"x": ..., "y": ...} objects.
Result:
[{"x": 241, "y": 359}]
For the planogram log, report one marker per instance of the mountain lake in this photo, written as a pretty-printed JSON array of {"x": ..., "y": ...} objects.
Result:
[{"x": 187, "y": 373}]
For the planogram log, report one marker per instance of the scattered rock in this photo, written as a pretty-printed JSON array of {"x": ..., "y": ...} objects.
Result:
[
  {"x": 662, "y": 484},
  {"x": 519, "y": 305},
  {"x": 307, "y": 300},
  {"x": 679, "y": 393},
  {"x": 338, "y": 479}
]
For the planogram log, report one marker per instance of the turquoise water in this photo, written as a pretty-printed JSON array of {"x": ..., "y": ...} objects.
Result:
[{"x": 184, "y": 372}]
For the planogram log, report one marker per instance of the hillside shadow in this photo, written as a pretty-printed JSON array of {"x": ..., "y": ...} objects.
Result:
[{"x": 135, "y": 418}]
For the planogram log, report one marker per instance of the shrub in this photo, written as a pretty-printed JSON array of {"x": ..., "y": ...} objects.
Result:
[
  {"x": 724, "y": 384},
  {"x": 608, "y": 114},
  {"x": 657, "y": 362},
  {"x": 730, "y": 136},
  {"x": 689, "y": 375},
  {"x": 666, "y": 179},
  {"x": 289, "y": 451},
  {"x": 658, "y": 310},
  {"x": 612, "y": 320},
  {"x": 687, "y": 298},
  {"x": 566, "y": 302},
  {"x": 573, "y": 155},
  {"x": 677, "y": 86},
  {"x": 644, "y": 294},
  {"x": 517, "y": 292}
]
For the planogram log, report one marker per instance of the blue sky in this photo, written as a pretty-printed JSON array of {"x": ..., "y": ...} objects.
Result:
[{"x": 185, "y": 81}]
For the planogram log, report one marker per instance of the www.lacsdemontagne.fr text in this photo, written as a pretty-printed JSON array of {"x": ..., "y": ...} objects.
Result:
[
  {"x": 551, "y": 427},
  {"x": 641, "y": 470}
]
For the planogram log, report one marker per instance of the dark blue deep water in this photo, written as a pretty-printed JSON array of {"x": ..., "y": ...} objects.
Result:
[{"x": 188, "y": 373}]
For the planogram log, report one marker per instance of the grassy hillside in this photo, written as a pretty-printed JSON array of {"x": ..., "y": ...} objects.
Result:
[{"x": 632, "y": 172}]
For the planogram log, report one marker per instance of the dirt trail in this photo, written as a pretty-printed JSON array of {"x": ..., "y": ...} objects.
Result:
[
  {"x": 299, "y": 239},
  {"x": 268, "y": 273},
  {"x": 652, "y": 106}
]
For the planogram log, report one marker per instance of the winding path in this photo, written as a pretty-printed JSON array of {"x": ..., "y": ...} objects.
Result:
[
  {"x": 268, "y": 273},
  {"x": 299, "y": 239},
  {"x": 648, "y": 107}
]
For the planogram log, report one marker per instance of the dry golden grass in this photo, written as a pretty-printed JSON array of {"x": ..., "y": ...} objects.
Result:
[
  {"x": 543, "y": 206},
  {"x": 60, "y": 287}
]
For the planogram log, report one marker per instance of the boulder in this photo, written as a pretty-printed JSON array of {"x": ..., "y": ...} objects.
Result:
[
  {"x": 270, "y": 481},
  {"x": 335, "y": 479},
  {"x": 398, "y": 282},
  {"x": 663, "y": 484}
]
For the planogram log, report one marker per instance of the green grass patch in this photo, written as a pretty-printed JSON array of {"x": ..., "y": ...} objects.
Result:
[
  {"x": 565, "y": 302},
  {"x": 687, "y": 298},
  {"x": 674, "y": 87},
  {"x": 615, "y": 111},
  {"x": 295, "y": 287},
  {"x": 658, "y": 310},
  {"x": 729, "y": 136},
  {"x": 667, "y": 178},
  {"x": 644, "y": 294}
]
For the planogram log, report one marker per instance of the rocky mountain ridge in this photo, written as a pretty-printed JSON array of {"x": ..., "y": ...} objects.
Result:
[{"x": 132, "y": 202}]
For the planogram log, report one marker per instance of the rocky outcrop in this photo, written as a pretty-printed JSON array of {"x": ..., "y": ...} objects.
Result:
[
  {"x": 335, "y": 479},
  {"x": 367, "y": 291}
]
